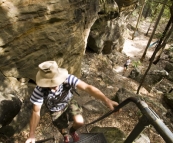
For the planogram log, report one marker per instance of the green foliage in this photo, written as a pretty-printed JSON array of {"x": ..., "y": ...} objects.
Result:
[
  {"x": 171, "y": 39},
  {"x": 135, "y": 13},
  {"x": 135, "y": 64},
  {"x": 171, "y": 48},
  {"x": 158, "y": 35},
  {"x": 158, "y": 5},
  {"x": 166, "y": 13},
  {"x": 102, "y": 1},
  {"x": 107, "y": 6},
  {"x": 139, "y": 114}
]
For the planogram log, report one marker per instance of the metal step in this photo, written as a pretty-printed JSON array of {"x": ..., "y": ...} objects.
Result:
[{"x": 90, "y": 138}]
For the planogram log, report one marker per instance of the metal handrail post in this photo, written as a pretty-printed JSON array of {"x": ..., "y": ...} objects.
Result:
[
  {"x": 154, "y": 120},
  {"x": 158, "y": 124},
  {"x": 143, "y": 122}
]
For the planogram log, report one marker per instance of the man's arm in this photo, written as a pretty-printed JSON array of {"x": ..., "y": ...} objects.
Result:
[
  {"x": 95, "y": 92},
  {"x": 35, "y": 118}
]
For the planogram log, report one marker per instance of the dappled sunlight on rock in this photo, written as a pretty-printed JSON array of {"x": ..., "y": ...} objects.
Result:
[
  {"x": 1, "y": 43},
  {"x": 11, "y": 10},
  {"x": 118, "y": 69}
]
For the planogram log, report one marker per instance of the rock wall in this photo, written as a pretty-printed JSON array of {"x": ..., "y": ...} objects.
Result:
[
  {"x": 43, "y": 30},
  {"x": 107, "y": 33},
  {"x": 36, "y": 31}
]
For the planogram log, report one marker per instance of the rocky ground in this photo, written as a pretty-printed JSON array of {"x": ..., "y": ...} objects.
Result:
[{"x": 106, "y": 73}]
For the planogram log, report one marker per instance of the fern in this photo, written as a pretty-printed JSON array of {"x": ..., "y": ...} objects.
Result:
[{"x": 136, "y": 64}]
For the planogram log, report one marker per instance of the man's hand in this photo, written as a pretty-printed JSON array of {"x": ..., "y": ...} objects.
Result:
[
  {"x": 112, "y": 104},
  {"x": 30, "y": 140}
]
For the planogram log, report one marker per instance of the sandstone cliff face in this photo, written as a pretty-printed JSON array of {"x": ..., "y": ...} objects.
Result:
[
  {"x": 107, "y": 33},
  {"x": 33, "y": 31},
  {"x": 36, "y": 31}
]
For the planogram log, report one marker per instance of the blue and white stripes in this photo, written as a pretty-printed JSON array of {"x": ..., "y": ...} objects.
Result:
[{"x": 37, "y": 96}]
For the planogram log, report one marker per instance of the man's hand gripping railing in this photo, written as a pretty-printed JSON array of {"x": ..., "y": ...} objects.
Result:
[{"x": 116, "y": 109}]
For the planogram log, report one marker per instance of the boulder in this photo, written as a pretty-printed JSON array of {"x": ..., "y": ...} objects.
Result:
[
  {"x": 168, "y": 67},
  {"x": 169, "y": 99},
  {"x": 170, "y": 77},
  {"x": 95, "y": 107},
  {"x": 122, "y": 94},
  {"x": 151, "y": 79},
  {"x": 10, "y": 106}
]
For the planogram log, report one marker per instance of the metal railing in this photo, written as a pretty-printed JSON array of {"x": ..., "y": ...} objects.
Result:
[{"x": 148, "y": 117}]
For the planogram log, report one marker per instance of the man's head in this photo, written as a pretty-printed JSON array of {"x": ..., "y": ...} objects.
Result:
[{"x": 49, "y": 75}]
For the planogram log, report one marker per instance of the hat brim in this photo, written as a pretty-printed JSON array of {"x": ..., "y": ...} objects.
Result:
[{"x": 56, "y": 81}]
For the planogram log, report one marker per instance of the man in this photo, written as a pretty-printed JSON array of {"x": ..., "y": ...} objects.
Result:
[
  {"x": 54, "y": 88},
  {"x": 128, "y": 61}
]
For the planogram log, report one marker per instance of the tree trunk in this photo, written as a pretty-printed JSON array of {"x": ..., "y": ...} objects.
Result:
[
  {"x": 139, "y": 17},
  {"x": 163, "y": 45},
  {"x": 155, "y": 11},
  {"x": 151, "y": 37},
  {"x": 166, "y": 38},
  {"x": 147, "y": 11},
  {"x": 157, "y": 47}
]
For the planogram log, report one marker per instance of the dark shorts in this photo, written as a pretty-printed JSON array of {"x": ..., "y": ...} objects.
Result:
[
  {"x": 126, "y": 66},
  {"x": 61, "y": 119}
]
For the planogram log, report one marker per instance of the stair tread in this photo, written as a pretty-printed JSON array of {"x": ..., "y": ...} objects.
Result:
[{"x": 90, "y": 138}]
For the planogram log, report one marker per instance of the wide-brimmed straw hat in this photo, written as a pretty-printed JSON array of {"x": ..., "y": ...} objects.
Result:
[{"x": 49, "y": 75}]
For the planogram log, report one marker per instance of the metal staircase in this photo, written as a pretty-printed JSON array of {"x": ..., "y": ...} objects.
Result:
[
  {"x": 84, "y": 138},
  {"x": 92, "y": 138}
]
